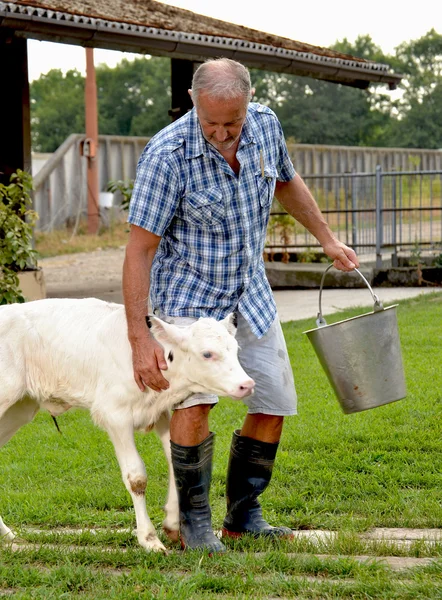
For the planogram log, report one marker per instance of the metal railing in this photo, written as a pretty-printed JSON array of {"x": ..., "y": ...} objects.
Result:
[
  {"x": 60, "y": 186},
  {"x": 375, "y": 213},
  {"x": 329, "y": 160}
]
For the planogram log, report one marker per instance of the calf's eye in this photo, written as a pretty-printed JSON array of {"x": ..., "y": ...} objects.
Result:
[{"x": 207, "y": 354}]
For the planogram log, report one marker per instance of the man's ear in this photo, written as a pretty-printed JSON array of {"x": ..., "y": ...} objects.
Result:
[
  {"x": 231, "y": 323},
  {"x": 190, "y": 94},
  {"x": 252, "y": 93},
  {"x": 166, "y": 333}
]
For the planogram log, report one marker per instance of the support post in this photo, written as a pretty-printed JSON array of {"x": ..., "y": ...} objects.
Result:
[
  {"x": 379, "y": 215},
  {"x": 92, "y": 144},
  {"x": 394, "y": 257},
  {"x": 15, "y": 140},
  {"x": 354, "y": 206},
  {"x": 181, "y": 82}
]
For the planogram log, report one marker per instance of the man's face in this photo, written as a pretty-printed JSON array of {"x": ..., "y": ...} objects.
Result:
[{"x": 221, "y": 120}]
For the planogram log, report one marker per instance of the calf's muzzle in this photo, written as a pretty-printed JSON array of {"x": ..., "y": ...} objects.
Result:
[{"x": 246, "y": 388}]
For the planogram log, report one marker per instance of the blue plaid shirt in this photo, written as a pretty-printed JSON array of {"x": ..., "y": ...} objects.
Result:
[{"x": 212, "y": 223}]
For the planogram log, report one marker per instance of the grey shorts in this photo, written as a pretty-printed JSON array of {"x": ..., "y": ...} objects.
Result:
[{"x": 266, "y": 361}]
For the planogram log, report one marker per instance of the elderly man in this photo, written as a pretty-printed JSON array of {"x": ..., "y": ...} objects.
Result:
[{"x": 198, "y": 215}]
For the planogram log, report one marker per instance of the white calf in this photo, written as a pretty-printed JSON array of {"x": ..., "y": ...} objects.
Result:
[{"x": 58, "y": 354}]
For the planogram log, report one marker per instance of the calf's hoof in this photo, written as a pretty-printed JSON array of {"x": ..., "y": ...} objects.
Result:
[
  {"x": 7, "y": 537},
  {"x": 151, "y": 543},
  {"x": 172, "y": 534}
]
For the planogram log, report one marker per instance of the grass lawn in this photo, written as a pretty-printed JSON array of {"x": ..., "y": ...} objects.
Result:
[
  {"x": 347, "y": 473},
  {"x": 64, "y": 241}
]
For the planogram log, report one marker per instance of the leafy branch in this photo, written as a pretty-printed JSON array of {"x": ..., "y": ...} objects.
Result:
[
  {"x": 125, "y": 188},
  {"x": 17, "y": 221}
]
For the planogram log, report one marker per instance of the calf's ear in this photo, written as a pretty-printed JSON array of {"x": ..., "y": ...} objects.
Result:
[
  {"x": 231, "y": 323},
  {"x": 166, "y": 333}
]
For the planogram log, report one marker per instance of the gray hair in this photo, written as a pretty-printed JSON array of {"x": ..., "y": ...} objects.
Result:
[{"x": 222, "y": 78}]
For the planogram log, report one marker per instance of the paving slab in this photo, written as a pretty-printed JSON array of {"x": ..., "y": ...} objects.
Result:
[
  {"x": 402, "y": 533},
  {"x": 316, "y": 536},
  {"x": 402, "y": 537},
  {"x": 395, "y": 563}
]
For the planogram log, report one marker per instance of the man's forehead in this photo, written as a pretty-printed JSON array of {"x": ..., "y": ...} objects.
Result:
[{"x": 209, "y": 106}]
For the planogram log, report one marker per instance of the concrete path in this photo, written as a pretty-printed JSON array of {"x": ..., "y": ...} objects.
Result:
[
  {"x": 98, "y": 274},
  {"x": 393, "y": 539},
  {"x": 304, "y": 304}
]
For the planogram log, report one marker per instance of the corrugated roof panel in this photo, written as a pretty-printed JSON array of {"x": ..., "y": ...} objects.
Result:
[{"x": 190, "y": 36}]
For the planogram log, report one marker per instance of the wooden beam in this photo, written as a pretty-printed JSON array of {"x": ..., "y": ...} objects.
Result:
[
  {"x": 181, "y": 81},
  {"x": 15, "y": 139},
  {"x": 90, "y": 147}
]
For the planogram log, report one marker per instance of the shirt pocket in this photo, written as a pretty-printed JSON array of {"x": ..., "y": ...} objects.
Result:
[
  {"x": 204, "y": 208},
  {"x": 266, "y": 185}
]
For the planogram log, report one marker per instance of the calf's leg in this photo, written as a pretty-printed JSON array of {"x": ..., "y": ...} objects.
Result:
[
  {"x": 5, "y": 533},
  {"x": 16, "y": 416},
  {"x": 171, "y": 523},
  {"x": 13, "y": 418},
  {"x": 134, "y": 476}
]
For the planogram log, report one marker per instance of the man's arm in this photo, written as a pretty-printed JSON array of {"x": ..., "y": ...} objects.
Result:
[
  {"x": 147, "y": 354},
  {"x": 298, "y": 201}
]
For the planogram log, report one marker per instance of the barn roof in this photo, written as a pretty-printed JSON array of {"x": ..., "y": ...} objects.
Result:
[{"x": 151, "y": 27}]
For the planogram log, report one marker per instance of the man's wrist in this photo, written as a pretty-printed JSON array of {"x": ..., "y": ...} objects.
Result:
[
  {"x": 139, "y": 333},
  {"x": 325, "y": 236}
]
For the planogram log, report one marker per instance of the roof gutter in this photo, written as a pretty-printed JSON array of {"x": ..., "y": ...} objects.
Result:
[{"x": 44, "y": 24}]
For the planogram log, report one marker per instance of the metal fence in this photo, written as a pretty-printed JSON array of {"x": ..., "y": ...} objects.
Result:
[
  {"x": 329, "y": 160},
  {"x": 380, "y": 213},
  {"x": 60, "y": 182}
]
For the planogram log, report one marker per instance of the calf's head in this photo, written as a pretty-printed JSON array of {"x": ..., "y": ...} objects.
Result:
[{"x": 204, "y": 355}]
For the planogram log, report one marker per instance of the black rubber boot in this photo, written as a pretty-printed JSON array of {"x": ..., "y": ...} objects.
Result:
[
  {"x": 192, "y": 466},
  {"x": 249, "y": 473}
]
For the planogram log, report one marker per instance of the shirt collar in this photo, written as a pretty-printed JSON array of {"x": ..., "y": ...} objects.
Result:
[{"x": 247, "y": 133}]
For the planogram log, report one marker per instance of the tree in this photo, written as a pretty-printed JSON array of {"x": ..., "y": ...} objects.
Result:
[
  {"x": 319, "y": 112},
  {"x": 313, "y": 111},
  {"x": 57, "y": 108},
  {"x": 134, "y": 96},
  {"x": 365, "y": 48},
  {"x": 419, "y": 123},
  {"x": 421, "y": 62},
  {"x": 133, "y": 99},
  {"x": 421, "y": 127}
]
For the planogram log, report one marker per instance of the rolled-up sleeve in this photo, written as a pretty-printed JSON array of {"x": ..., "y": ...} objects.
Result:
[{"x": 156, "y": 194}]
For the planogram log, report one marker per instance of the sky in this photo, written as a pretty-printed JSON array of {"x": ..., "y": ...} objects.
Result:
[{"x": 317, "y": 22}]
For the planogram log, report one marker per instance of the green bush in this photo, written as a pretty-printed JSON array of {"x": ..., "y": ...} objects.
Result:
[
  {"x": 125, "y": 188},
  {"x": 17, "y": 221}
]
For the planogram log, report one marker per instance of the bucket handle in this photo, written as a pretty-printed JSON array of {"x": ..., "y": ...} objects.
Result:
[{"x": 320, "y": 321}]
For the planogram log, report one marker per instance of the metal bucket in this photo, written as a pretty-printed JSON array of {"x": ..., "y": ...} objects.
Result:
[{"x": 361, "y": 356}]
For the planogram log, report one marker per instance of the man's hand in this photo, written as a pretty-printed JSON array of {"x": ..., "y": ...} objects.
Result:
[
  {"x": 148, "y": 362},
  {"x": 344, "y": 258},
  {"x": 147, "y": 354}
]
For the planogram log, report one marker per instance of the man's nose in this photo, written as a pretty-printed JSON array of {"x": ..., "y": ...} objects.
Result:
[{"x": 221, "y": 134}]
